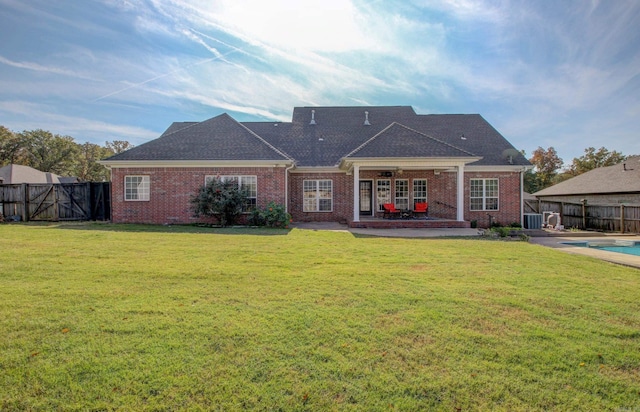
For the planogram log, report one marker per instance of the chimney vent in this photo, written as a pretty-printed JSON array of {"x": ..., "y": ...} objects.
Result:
[
  {"x": 313, "y": 117},
  {"x": 366, "y": 119}
]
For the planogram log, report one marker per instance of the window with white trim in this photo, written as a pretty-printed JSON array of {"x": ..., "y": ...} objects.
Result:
[
  {"x": 317, "y": 195},
  {"x": 419, "y": 191},
  {"x": 402, "y": 194},
  {"x": 383, "y": 189},
  {"x": 247, "y": 183},
  {"x": 136, "y": 188},
  {"x": 484, "y": 194}
]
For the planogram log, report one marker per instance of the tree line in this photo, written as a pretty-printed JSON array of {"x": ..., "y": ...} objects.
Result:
[
  {"x": 61, "y": 155},
  {"x": 57, "y": 154},
  {"x": 549, "y": 167}
]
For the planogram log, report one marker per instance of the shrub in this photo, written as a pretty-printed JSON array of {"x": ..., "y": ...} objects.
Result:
[
  {"x": 274, "y": 215},
  {"x": 220, "y": 199}
]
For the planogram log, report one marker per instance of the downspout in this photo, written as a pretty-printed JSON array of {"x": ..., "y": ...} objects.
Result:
[
  {"x": 522, "y": 197},
  {"x": 286, "y": 187}
]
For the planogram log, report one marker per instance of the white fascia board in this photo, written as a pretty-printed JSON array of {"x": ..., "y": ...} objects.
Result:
[
  {"x": 119, "y": 164},
  {"x": 310, "y": 169},
  {"x": 404, "y": 162},
  {"x": 498, "y": 168}
]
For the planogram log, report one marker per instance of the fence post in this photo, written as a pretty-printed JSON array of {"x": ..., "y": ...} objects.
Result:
[
  {"x": 25, "y": 202},
  {"x": 622, "y": 218}
]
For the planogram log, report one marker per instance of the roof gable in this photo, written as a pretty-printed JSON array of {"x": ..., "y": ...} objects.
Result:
[
  {"x": 398, "y": 140},
  {"x": 219, "y": 138}
]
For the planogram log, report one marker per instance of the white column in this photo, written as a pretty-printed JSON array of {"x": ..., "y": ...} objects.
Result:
[
  {"x": 356, "y": 193},
  {"x": 460, "y": 202}
]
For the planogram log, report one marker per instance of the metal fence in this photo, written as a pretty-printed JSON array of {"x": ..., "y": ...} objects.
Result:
[{"x": 56, "y": 202}]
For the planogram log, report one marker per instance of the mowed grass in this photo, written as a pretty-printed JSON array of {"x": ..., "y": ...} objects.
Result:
[{"x": 108, "y": 317}]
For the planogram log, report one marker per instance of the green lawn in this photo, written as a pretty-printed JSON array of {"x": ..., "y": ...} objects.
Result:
[{"x": 108, "y": 317}]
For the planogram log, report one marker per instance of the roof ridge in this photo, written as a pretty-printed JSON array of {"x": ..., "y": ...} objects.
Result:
[
  {"x": 357, "y": 149},
  {"x": 366, "y": 142}
]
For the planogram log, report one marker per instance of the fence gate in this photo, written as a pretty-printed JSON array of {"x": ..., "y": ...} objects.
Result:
[{"x": 54, "y": 202}]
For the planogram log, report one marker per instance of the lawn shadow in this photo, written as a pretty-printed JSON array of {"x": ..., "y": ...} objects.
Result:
[{"x": 122, "y": 227}]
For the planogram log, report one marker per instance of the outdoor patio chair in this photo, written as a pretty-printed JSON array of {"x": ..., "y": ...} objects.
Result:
[
  {"x": 390, "y": 211},
  {"x": 421, "y": 208}
]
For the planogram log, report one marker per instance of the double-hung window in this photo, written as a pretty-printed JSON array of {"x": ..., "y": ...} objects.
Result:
[
  {"x": 383, "y": 189},
  {"x": 402, "y": 194},
  {"x": 136, "y": 188},
  {"x": 247, "y": 183},
  {"x": 317, "y": 195},
  {"x": 419, "y": 191},
  {"x": 484, "y": 194}
]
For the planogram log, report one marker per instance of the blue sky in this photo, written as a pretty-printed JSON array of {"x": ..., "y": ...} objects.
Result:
[{"x": 544, "y": 73}]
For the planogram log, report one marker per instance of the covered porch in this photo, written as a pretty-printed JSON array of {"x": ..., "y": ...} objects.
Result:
[{"x": 405, "y": 184}]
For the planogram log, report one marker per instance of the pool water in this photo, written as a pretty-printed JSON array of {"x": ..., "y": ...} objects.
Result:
[
  {"x": 629, "y": 250},
  {"x": 619, "y": 246}
]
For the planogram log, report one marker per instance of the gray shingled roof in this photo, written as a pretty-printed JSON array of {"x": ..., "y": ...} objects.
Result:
[
  {"x": 401, "y": 141},
  {"x": 620, "y": 178},
  {"x": 337, "y": 132},
  {"x": 219, "y": 138}
]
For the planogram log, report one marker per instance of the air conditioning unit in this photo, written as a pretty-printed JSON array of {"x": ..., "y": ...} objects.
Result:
[{"x": 532, "y": 221}]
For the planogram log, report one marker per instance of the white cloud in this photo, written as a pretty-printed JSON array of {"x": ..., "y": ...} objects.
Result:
[
  {"x": 42, "y": 68},
  {"x": 82, "y": 129}
]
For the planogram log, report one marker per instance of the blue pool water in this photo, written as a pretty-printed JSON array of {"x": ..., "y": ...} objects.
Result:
[
  {"x": 629, "y": 250},
  {"x": 618, "y": 246}
]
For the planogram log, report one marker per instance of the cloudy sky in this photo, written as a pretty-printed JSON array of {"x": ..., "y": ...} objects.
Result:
[{"x": 544, "y": 73}]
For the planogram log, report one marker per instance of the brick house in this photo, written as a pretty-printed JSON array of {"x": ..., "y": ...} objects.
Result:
[{"x": 334, "y": 164}]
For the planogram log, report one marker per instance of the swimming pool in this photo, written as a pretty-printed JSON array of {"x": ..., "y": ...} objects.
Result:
[{"x": 628, "y": 247}]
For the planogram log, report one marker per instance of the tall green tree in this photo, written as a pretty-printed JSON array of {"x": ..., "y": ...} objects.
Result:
[
  {"x": 593, "y": 159},
  {"x": 118, "y": 146},
  {"x": 11, "y": 147},
  {"x": 547, "y": 164},
  {"x": 87, "y": 167},
  {"x": 50, "y": 153}
]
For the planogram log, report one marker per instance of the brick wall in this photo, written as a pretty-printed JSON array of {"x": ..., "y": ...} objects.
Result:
[
  {"x": 441, "y": 195},
  {"x": 509, "y": 201},
  {"x": 342, "y": 198},
  {"x": 171, "y": 190}
]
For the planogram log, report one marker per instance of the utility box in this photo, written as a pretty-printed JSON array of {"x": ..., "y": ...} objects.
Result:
[{"x": 532, "y": 221}]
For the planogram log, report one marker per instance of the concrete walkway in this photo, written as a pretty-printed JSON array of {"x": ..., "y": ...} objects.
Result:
[
  {"x": 551, "y": 239},
  {"x": 408, "y": 233}
]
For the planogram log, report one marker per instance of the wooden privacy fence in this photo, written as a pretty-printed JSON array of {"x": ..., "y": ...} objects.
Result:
[
  {"x": 610, "y": 218},
  {"x": 55, "y": 202}
]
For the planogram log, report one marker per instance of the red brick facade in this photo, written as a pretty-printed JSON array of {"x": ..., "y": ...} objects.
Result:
[
  {"x": 172, "y": 188},
  {"x": 509, "y": 201}
]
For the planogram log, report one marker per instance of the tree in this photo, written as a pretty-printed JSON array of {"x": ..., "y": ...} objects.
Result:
[
  {"x": 593, "y": 159},
  {"x": 11, "y": 146},
  {"x": 50, "y": 153},
  {"x": 547, "y": 163},
  {"x": 87, "y": 167},
  {"x": 118, "y": 146},
  {"x": 223, "y": 200}
]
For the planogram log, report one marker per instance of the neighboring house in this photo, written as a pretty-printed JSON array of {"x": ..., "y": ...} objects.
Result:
[
  {"x": 337, "y": 164},
  {"x": 605, "y": 185},
  {"x": 16, "y": 174}
]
